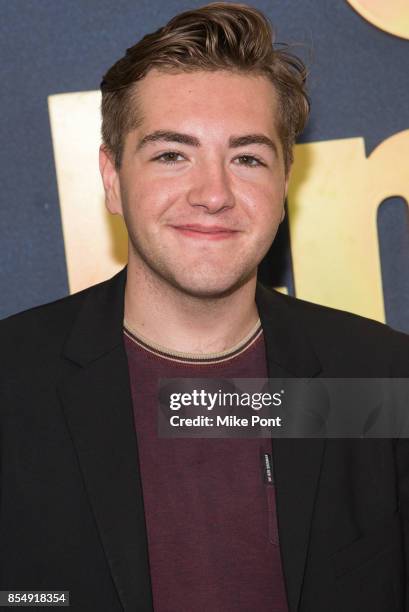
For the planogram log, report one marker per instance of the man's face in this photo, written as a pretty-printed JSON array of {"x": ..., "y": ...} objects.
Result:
[{"x": 200, "y": 174}]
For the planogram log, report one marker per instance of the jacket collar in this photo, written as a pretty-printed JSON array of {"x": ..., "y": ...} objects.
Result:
[
  {"x": 98, "y": 328},
  {"x": 287, "y": 344}
]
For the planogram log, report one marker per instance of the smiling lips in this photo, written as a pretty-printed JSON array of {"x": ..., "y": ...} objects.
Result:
[{"x": 207, "y": 232}]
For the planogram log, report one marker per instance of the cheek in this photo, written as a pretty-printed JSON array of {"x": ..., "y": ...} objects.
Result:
[
  {"x": 139, "y": 198},
  {"x": 265, "y": 205},
  {"x": 147, "y": 208}
]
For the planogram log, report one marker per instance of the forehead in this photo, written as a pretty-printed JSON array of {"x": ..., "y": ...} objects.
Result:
[{"x": 221, "y": 99}]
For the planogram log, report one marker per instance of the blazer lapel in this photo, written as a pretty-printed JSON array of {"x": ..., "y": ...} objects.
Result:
[
  {"x": 297, "y": 462},
  {"x": 97, "y": 405}
]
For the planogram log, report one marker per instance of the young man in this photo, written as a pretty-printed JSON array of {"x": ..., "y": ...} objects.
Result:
[{"x": 199, "y": 119}]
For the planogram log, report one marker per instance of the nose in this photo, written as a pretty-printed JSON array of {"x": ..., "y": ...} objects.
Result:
[{"x": 211, "y": 187}]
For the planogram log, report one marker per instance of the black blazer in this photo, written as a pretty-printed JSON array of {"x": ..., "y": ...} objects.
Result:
[{"x": 71, "y": 508}]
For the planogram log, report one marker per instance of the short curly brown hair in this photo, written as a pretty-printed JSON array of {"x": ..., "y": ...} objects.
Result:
[{"x": 218, "y": 36}]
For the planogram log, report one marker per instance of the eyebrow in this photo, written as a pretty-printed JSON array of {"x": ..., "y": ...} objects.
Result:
[{"x": 188, "y": 139}]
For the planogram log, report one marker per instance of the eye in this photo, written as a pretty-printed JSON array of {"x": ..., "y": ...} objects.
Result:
[
  {"x": 168, "y": 158},
  {"x": 249, "y": 159}
]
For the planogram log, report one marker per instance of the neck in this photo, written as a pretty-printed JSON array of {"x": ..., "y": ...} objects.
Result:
[{"x": 165, "y": 315}]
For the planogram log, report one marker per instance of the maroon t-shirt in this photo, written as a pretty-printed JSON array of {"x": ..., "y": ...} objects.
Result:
[{"x": 210, "y": 516}]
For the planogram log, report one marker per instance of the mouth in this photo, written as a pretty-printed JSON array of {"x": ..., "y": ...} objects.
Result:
[{"x": 205, "y": 232}]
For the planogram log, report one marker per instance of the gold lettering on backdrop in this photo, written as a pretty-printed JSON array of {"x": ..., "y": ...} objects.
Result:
[
  {"x": 95, "y": 241},
  {"x": 333, "y": 199},
  {"x": 389, "y": 15}
]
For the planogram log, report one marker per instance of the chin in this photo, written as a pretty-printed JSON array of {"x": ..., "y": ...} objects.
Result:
[{"x": 210, "y": 288}]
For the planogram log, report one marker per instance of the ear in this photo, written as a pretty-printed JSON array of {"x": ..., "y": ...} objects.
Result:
[
  {"x": 110, "y": 180},
  {"x": 285, "y": 196}
]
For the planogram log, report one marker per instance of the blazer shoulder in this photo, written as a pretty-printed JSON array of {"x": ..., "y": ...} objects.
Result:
[
  {"x": 341, "y": 335},
  {"x": 38, "y": 319},
  {"x": 36, "y": 332},
  {"x": 323, "y": 316}
]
